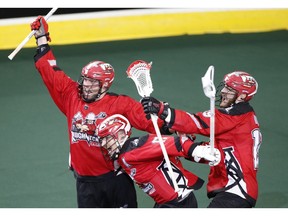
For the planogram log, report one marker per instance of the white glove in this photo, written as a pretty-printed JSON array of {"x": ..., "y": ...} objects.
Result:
[{"x": 205, "y": 152}]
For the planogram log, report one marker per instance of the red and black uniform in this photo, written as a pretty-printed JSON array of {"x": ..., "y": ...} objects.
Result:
[
  {"x": 237, "y": 133},
  {"x": 87, "y": 160},
  {"x": 142, "y": 158}
]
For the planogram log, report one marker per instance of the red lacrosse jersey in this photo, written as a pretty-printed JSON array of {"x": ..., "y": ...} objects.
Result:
[
  {"x": 142, "y": 158},
  {"x": 85, "y": 153},
  {"x": 237, "y": 133}
]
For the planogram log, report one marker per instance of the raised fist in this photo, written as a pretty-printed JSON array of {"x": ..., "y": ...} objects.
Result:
[
  {"x": 41, "y": 28},
  {"x": 153, "y": 106}
]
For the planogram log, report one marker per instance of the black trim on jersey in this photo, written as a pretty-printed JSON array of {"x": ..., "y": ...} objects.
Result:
[
  {"x": 203, "y": 124},
  {"x": 178, "y": 143},
  {"x": 237, "y": 175},
  {"x": 130, "y": 144},
  {"x": 172, "y": 119},
  {"x": 112, "y": 94},
  {"x": 237, "y": 109},
  {"x": 56, "y": 68},
  {"x": 165, "y": 129},
  {"x": 199, "y": 183},
  {"x": 41, "y": 51},
  {"x": 191, "y": 149}
]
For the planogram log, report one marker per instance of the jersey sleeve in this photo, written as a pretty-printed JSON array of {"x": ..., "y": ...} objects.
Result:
[
  {"x": 151, "y": 149},
  {"x": 134, "y": 112},
  {"x": 56, "y": 81},
  {"x": 199, "y": 123}
]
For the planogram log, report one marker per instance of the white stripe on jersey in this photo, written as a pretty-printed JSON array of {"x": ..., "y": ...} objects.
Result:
[{"x": 195, "y": 120}]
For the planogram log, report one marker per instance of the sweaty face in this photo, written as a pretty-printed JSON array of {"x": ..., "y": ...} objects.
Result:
[
  {"x": 228, "y": 95},
  {"x": 90, "y": 88}
]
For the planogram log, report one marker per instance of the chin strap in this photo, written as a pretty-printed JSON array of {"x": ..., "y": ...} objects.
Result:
[{"x": 99, "y": 94}]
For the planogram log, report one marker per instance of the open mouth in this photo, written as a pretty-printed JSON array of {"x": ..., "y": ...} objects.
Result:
[{"x": 223, "y": 98}]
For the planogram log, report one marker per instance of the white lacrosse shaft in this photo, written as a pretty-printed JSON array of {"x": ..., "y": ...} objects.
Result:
[
  {"x": 139, "y": 72},
  {"x": 154, "y": 120},
  {"x": 22, "y": 44},
  {"x": 210, "y": 91}
]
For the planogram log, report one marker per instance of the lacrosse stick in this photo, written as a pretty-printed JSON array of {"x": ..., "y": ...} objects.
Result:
[
  {"x": 139, "y": 72},
  {"x": 20, "y": 46},
  {"x": 209, "y": 91}
]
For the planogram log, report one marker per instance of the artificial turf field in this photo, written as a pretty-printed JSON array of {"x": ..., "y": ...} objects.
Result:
[{"x": 34, "y": 140}]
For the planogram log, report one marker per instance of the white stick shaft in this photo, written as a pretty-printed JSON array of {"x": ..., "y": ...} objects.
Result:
[
  {"x": 212, "y": 123},
  {"x": 22, "y": 44},
  {"x": 154, "y": 120}
]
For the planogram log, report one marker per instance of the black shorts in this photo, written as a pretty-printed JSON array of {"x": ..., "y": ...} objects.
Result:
[
  {"x": 228, "y": 200},
  {"x": 189, "y": 202},
  {"x": 111, "y": 191}
]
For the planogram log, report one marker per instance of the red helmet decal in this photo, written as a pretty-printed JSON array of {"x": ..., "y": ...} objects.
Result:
[
  {"x": 99, "y": 70},
  {"x": 242, "y": 82}
]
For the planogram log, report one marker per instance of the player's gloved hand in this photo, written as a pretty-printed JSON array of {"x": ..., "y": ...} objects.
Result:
[
  {"x": 153, "y": 106},
  {"x": 41, "y": 28},
  {"x": 204, "y": 151}
]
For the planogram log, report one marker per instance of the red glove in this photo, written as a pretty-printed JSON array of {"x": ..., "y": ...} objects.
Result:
[{"x": 41, "y": 28}]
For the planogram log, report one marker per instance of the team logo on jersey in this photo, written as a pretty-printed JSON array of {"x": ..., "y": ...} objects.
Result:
[
  {"x": 236, "y": 183},
  {"x": 207, "y": 114},
  {"x": 83, "y": 128},
  {"x": 147, "y": 188}
]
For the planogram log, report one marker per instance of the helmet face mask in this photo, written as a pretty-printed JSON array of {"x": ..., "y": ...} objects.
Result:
[
  {"x": 113, "y": 143},
  {"x": 112, "y": 133},
  {"x": 90, "y": 89},
  {"x": 226, "y": 96},
  {"x": 95, "y": 74}
]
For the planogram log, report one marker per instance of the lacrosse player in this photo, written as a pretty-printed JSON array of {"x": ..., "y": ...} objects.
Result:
[
  {"x": 142, "y": 158},
  {"x": 232, "y": 183},
  {"x": 85, "y": 103}
]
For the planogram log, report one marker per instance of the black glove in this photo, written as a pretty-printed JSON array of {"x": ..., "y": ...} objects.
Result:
[{"x": 153, "y": 106}]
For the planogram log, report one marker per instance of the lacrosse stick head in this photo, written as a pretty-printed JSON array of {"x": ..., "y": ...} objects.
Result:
[
  {"x": 208, "y": 83},
  {"x": 139, "y": 72}
]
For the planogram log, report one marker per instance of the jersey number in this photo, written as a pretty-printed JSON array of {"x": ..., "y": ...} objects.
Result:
[
  {"x": 157, "y": 140},
  {"x": 257, "y": 138}
]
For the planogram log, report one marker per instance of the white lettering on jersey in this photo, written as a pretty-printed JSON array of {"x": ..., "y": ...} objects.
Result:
[
  {"x": 156, "y": 140},
  {"x": 257, "y": 141},
  {"x": 91, "y": 140},
  {"x": 256, "y": 120}
]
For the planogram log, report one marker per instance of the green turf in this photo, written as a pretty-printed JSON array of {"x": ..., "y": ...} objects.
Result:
[{"x": 34, "y": 139}]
